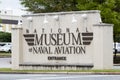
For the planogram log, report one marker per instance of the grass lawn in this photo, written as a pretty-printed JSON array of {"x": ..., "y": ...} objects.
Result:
[
  {"x": 45, "y": 71},
  {"x": 4, "y": 54}
]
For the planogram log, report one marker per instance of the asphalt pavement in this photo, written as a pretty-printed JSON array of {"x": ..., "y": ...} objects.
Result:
[{"x": 57, "y": 77}]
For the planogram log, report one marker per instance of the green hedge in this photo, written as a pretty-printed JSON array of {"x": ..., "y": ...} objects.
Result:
[{"x": 5, "y": 37}]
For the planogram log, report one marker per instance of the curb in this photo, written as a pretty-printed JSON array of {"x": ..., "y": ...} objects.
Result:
[{"x": 69, "y": 73}]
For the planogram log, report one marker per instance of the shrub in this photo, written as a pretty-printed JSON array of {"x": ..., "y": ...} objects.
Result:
[{"x": 5, "y": 37}]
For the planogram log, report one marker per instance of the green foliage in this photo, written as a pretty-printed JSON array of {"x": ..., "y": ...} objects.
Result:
[
  {"x": 5, "y": 37},
  {"x": 110, "y": 9},
  {"x": 37, "y": 6}
]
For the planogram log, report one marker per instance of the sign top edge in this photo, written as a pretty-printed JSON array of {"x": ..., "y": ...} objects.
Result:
[{"x": 63, "y": 13}]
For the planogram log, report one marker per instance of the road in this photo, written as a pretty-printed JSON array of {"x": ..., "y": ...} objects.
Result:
[{"x": 57, "y": 77}]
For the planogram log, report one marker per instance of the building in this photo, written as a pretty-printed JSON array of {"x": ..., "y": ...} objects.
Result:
[{"x": 8, "y": 20}]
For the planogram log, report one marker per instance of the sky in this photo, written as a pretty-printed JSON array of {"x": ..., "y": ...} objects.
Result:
[{"x": 12, "y": 5}]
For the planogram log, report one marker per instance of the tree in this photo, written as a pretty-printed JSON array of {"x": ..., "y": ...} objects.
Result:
[
  {"x": 110, "y": 9},
  {"x": 110, "y": 12},
  {"x": 37, "y": 6}
]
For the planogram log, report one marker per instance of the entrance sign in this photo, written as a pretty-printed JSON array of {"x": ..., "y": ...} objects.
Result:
[{"x": 62, "y": 41}]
